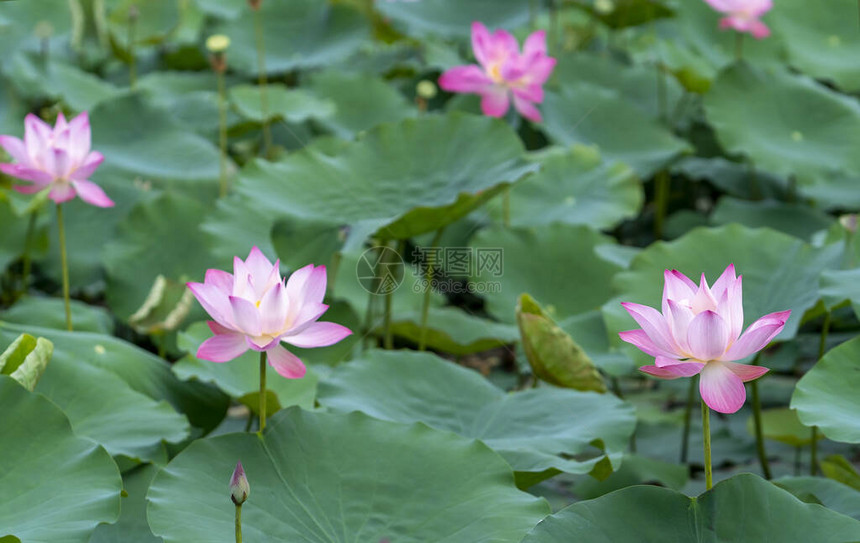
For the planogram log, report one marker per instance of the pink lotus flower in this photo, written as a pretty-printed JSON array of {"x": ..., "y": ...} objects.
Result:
[
  {"x": 254, "y": 309},
  {"x": 744, "y": 15},
  {"x": 504, "y": 72},
  {"x": 699, "y": 331},
  {"x": 57, "y": 158}
]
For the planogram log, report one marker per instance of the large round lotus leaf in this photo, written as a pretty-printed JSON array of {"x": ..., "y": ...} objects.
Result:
[
  {"x": 638, "y": 84},
  {"x": 575, "y": 187},
  {"x": 838, "y": 286},
  {"x": 734, "y": 178},
  {"x": 191, "y": 98},
  {"x": 361, "y": 102},
  {"x": 160, "y": 236},
  {"x": 241, "y": 377},
  {"x": 787, "y": 124},
  {"x": 832, "y": 494},
  {"x": 399, "y": 179},
  {"x": 777, "y": 269},
  {"x": 297, "y": 34},
  {"x": 131, "y": 526},
  {"x": 50, "y": 313},
  {"x": 342, "y": 478},
  {"x": 625, "y": 13},
  {"x": 798, "y": 220},
  {"x": 742, "y": 508},
  {"x": 58, "y": 487},
  {"x": 139, "y": 138},
  {"x": 77, "y": 89},
  {"x": 143, "y": 372},
  {"x": 827, "y": 395},
  {"x": 582, "y": 112},
  {"x": 104, "y": 408},
  {"x": 823, "y": 43},
  {"x": 556, "y": 264},
  {"x": 454, "y": 17},
  {"x": 535, "y": 430},
  {"x": 293, "y": 105}
]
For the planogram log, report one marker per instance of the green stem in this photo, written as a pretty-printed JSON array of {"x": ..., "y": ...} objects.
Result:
[
  {"x": 813, "y": 453},
  {"x": 553, "y": 26},
  {"x": 162, "y": 345},
  {"x": 132, "y": 61},
  {"x": 533, "y": 13},
  {"x": 425, "y": 307},
  {"x": 506, "y": 207},
  {"x": 688, "y": 414},
  {"x": 739, "y": 46},
  {"x": 238, "y": 524},
  {"x": 388, "y": 341},
  {"x": 661, "y": 202},
  {"x": 822, "y": 346},
  {"x": 27, "y": 258},
  {"x": 262, "y": 392},
  {"x": 706, "y": 434},
  {"x": 263, "y": 82},
  {"x": 334, "y": 267},
  {"x": 616, "y": 387},
  {"x": 759, "y": 432},
  {"x": 222, "y": 130},
  {"x": 662, "y": 100},
  {"x": 64, "y": 264},
  {"x": 797, "y": 461}
]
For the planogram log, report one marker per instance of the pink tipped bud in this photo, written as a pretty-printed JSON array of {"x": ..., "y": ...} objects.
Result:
[{"x": 239, "y": 487}]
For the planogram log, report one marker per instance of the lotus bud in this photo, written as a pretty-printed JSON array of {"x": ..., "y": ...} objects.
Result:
[
  {"x": 217, "y": 46},
  {"x": 239, "y": 487}
]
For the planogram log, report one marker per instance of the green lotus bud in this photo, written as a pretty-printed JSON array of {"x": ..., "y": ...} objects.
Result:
[
  {"x": 239, "y": 487},
  {"x": 426, "y": 89}
]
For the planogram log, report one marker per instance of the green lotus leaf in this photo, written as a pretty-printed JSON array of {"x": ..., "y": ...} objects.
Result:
[
  {"x": 334, "y": 477},
  {"x": 823, "y": 43},
  {"x": 298, "y": 34},
  {"x": 798, "y": 220},
  {"x": 50, "y": 313},
  {"x": 453, "y": 18},
  {"x": 765, "y": 115},
  {"x": 45, "y": 462},
  {"x": 361, "y": 102},
  {"x": 131, "y": 526},
  {"x": 826, "y": 396},
  {"x": 536, "y": 431},
  {"x": 557, "y": 264},
  {"x": 831, "y": 494},
  {"x": 586, "y": 113},
  {"x": 575, "y": 187},
  {"x": 742, "y": 508},
  {"x": 292, "y": 105},
  {"x": 430, "y": 178},
  {"x": 143, "y": 372}
]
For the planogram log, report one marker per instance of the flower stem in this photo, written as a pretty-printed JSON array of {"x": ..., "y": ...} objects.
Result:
[
  {"x": 27, "y": 258},
  {"x": 132, "y": 61},
  {"x": 706, "y": 434},
  {"x": 262, "y": 392},
  {"x": 759, "y": 432},
  {"x": 797, "y": 461},
  {"x": 822, "y": 346},
  {"x": 388, "y": 341},
  {"x": 533, "y": 13},
  {"x": 263, "y": 82},
  {"x": 238, "y": 524},
  {"x": 661, "y": 202},
  {"x": 739, "y": 46},
  {"x": 425, "y": 307},
  {"x": 688, "y": 413},
  {"x": 65, "y": 266},
  {"x": 506, "y": 207},
  {"x": 222, "y": 130}
]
